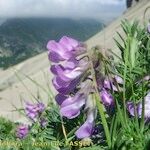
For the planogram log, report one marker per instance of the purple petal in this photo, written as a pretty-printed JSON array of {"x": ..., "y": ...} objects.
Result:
[
  {"x": 71, "y": 64},
  {"x": 109, "y": 85},
  {"x": 59, "y": 83},
  {"x": 59, "y": 50},
  {"x": 70, "y": 113},
  {"x": 86, "y": 129},
  {"x": 54, "y": 57},
  {"x": 55, "y": 69},
  {"x": 22, "y": 131},
  {"x": 130, "y": 108},
  {"x": 68, "y": 74},
  {"x": 69, "y": 43},
  {"x": 60, "y": 69},
  {"x": 70, "y": 107},
  {"x": 41, "y": 107},
  {"x": 60, "y": 98},
  {"x": 70, "y": 87},
  {"x": 147, "y": 107},
  {"x": 65, "y": 87},
  {"x": 33, "y": 110},
  {"x": 107, "y": 98},
  {"x": 32, "y": 115}
]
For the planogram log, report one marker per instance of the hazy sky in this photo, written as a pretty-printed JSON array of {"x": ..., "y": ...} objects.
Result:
[{"x": 99, "y": 9}]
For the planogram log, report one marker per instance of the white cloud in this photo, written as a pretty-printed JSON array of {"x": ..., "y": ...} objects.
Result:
[{"x": 61, "y": 8}]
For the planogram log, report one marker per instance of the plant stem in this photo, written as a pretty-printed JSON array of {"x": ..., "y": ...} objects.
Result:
[
  {"x": 63, "y": 128},
  {"x": 143, "y": 106},
  {"x": 100, "y": 106},
  {"x": 103, "y": 118},
  {"x": 126, "y": 55}
]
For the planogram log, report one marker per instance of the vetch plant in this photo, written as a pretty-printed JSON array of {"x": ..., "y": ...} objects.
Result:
[
  {"x": 22, "y": 131},
  {"x": 87, "y": 83},
  {"x": 99, "y": 98},
  {"x": 77, "y": 84},
  {"x": 33, "y": 111}
]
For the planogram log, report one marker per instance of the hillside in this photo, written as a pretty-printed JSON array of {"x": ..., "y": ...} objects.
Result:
[
  {"x": 24, "y": 38},
  {"x": 38, "y": 67}
]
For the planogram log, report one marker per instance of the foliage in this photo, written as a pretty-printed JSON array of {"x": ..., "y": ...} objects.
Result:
[{"x": 125, "y": 132}]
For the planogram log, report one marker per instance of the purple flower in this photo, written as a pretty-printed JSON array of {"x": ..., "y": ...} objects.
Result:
[
  {"x": 138, "y": 108},
  {"x": 86, "y": 129},
  {"x": 131, "y": 108},
  {"x": 69, "y": 65},
  {"x": 60, "y": 98},
  {"x": 68, "y": 75},
  {"x": 33, "y": 110},
  {"x": 40, "y": 107},
  {"x": 65, "y": 49},
  {"x": 108, "y": 84},
  {"x": 22, "y": 131},
  {"x": 57, "y": 52},
  {"x": 71, "y": 106},
  {"x": 74, "y": 83},
  {"x": 147, "y": 107},
  {"x": 63, "y": 87},
  {"x": 107, "y": 98}
]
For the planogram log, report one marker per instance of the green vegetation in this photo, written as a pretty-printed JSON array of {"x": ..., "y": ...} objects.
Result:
[{"x": 128, "y": 125}]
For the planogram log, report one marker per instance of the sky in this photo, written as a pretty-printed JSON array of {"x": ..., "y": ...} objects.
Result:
[{"x": 96, "y": 9}]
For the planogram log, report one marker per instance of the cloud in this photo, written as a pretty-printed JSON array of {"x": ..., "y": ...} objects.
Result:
[{"x": 61, "y": 8}]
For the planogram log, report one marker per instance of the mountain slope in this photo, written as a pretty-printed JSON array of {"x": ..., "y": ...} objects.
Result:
[
  {"x": 23, "y": 38},
  {"x": 34, "y": 67}
]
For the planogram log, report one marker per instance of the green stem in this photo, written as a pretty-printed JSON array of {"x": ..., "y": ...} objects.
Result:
[
  {"x": 143, "y": 107},
  {"x": 100, "y": 106},
  {"x": 63, "y": 128},
  {"x": 104, "y": 122},
  {"x": 124, "y": 78},
  {"x": 124, "y": 94}
]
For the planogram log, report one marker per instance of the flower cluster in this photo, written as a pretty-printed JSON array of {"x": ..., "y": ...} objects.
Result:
[
  {"x": 74, "y": 82},
  {"x": 22, "y": 131},
  {"x": 34, "y": 110}
]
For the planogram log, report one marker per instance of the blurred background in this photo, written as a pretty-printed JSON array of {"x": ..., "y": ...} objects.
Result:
[{"x": 27, "y": 25}]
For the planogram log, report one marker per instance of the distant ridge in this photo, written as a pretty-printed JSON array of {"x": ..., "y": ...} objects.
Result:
[{"x": 22, "y": 38}]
